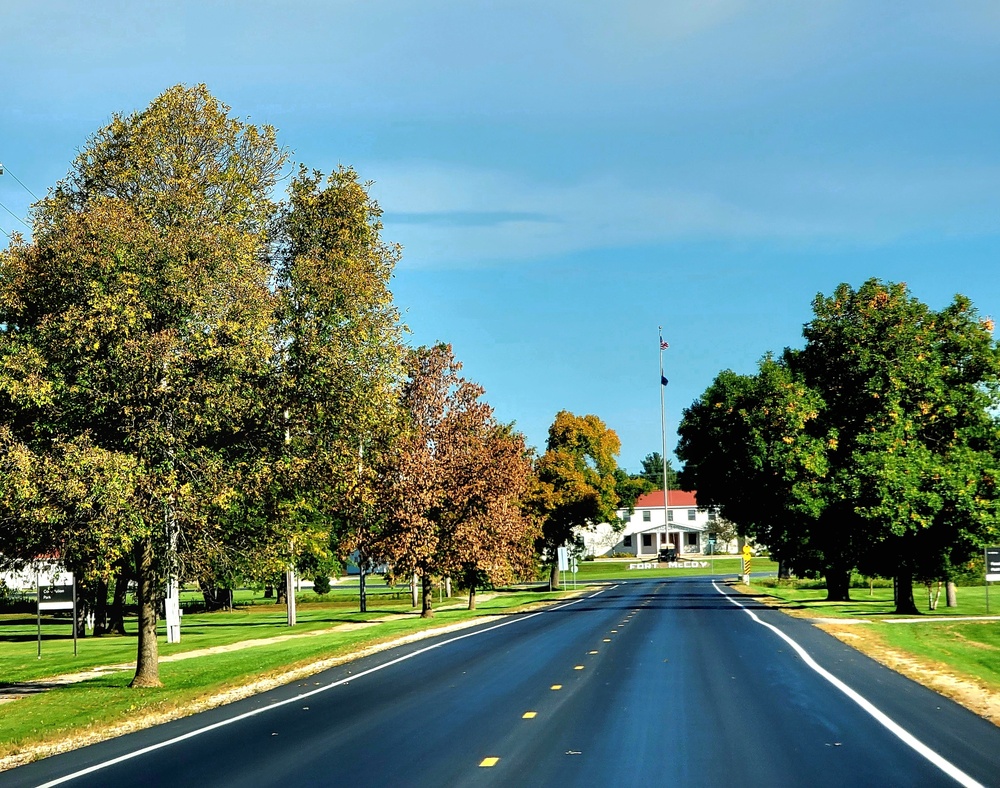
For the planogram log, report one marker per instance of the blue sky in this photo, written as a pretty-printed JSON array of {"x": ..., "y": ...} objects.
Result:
[{"x": 566, "y": 176}]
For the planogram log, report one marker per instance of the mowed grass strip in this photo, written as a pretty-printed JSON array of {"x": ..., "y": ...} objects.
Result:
[
  {"x": 966, "y": 648},
  {"x": 88, "y": 707},
  {"x": 19, "y": 647},
  {"x": 617, "y": 569},
  {"x": 877, "y": 602}
]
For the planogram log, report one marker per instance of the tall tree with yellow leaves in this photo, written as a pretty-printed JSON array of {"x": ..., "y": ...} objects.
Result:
[{"x": 577, "y": 482}]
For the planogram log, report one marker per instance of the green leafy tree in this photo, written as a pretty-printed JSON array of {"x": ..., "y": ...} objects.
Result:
[
  {"x": 874, "y": 447},
  {"x": 138, "y": 330},
  {"x": 629, "y": 487},
  {"x": 652, "y": 471},
  {"x": 747, "y": 451},
  {"x": 577, "y": 482},
  {"x": 908, "y": 418},
  {"x": 341, "y": 363}
]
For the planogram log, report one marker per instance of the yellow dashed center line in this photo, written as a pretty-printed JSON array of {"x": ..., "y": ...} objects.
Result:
[
  {"x": 607, "y": 640},
  {"x": 529, "y": 715},
  {"x": 591, "y": 652},
  {"x": 556, "y": 687},
  {"x": 489, "y": 762},
  {"x": 578, "y": 667}
]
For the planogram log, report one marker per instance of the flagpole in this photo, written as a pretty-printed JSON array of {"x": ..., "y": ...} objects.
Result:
[{"x": 663, "y": 436}]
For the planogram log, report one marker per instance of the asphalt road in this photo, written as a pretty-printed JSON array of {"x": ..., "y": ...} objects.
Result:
[{"x": 647, "y": 683}]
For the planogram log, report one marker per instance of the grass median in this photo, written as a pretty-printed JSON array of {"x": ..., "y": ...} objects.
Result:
[
  {"x": 76, "y": 713},
  {"x": 621, "y": 569}
]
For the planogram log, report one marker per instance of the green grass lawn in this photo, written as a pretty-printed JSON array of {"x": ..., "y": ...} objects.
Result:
[
  {"x": 967, "y": 648},
  {"x": 877, "y": 602},
  {"x": 615, "y": 569},
  {"x": 19, "y": 647}
]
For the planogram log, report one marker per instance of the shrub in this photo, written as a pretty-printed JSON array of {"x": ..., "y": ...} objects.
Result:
[{"x": 321, "y": 584}]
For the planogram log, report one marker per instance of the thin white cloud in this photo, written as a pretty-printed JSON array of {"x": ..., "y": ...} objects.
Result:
[{"x": 452, "y": 216}]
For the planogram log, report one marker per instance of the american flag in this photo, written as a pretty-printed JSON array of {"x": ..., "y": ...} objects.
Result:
[{"x": 664, "y": 345}]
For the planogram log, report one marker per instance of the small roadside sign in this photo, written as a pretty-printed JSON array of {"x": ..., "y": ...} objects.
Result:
[
  {"x": 992, "y": 564},
  {"x": 992, "y": 571},
  {"x": 55, "y": 597},
  {"x": 54, "y": 591}
]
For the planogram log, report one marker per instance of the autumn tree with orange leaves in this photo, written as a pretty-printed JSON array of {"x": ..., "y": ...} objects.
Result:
[
  {"x": 452, "y": 506},
  {"x": 488, "y": 537}
]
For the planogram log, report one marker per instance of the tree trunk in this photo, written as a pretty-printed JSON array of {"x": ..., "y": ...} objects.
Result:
[
  {"x": 282, "y": 590},
  {"x": 472, "y": 597},
  {"x": 116, "y": 615},
  {"x": 905, "y": 603},
  {"x": 362, "y": 591},
  {"x": 216, "y": 598},
  {"x": 554, "y": 578},
  {"x": 950, "y": 594},
  {"x": 427, "y": 597},
  {"x": 783, "y": 572},
  {"x": 147, "y": 669},
  {"x": 268, "y": 592},
  {"x": 101, "y": 608},
  {"x": 838, "y": 585},
  {"x": 84, "y": 604}
]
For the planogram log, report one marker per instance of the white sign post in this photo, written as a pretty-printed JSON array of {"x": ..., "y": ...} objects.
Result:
[
  {"x": 290, "y": 596},
  {"x": 172, "y": 608},
  {"x": 562, "y": 555}
]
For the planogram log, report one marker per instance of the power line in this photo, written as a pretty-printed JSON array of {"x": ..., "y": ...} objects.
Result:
[
  {"x": 6, "y": 170},
  {"x": 15, "y": 215}
]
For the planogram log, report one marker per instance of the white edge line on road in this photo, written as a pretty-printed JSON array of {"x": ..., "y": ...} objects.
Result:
[
  {"x": 899, "y": 732},
  {"x": 191, "y": 734}
]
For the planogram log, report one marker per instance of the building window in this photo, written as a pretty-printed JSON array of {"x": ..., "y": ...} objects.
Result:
[
  {"x": 692, "y": 514},
  {"x": 663, "y": 538},
  {"x": 670, "y": 515},
  {"x": 647, "y": 516},
  {"x": 627, "y": 541},
  {"x": 647, "y": 540},
  {"x": 713, "y": 515},
  {"x": 691, "y": 539}
]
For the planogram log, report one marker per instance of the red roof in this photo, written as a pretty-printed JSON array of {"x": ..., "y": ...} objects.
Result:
[{"x": 654, "y": 499}]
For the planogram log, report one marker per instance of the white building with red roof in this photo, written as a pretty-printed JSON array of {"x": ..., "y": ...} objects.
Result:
[{"x": 646, "y": 532}]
